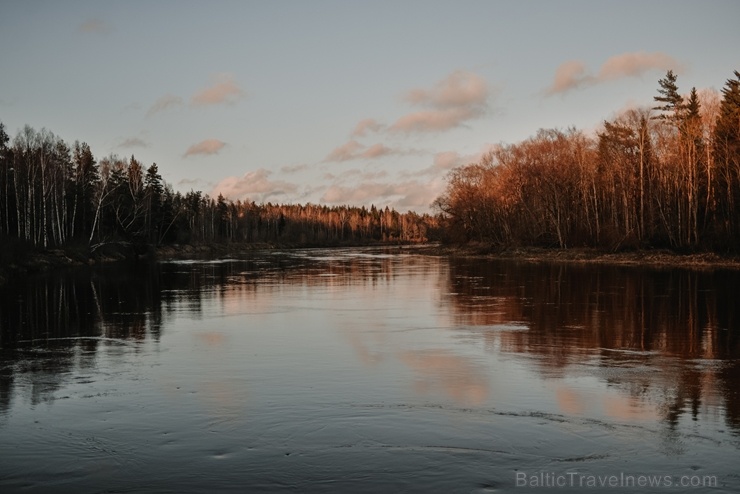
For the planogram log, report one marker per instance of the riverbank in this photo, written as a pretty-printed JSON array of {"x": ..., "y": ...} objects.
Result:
[
  {"x": 652, "y": 257},
  {"x": 17, "y": 259},
  {"x": 31, "y": 261}
]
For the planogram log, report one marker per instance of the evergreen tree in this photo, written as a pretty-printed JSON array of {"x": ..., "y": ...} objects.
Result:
[
  {"x": 84, "y": 183},
  {"x": 672, "y": 102},
  {"x": 153, "y": 203}
]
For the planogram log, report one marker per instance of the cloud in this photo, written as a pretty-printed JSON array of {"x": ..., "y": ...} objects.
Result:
[
  {"x": 209, "y": 146},
  {"x": 636, "y": 64},
  {"x": 345, "y": 152},
  {"x": 435, "y": 120},
  {"x": 377, "y": 151},
  {"x": 133, "y": 142},
  {"x": 365, "y": 126},
  {"x": 166, "y": 102},
  {"x": 359, "y": 194},
  {"x": 410, "y": 194},
  {"x": 95, "y": 26},
  {"x": 569, "y": 75},
  {"x": 572, "y": 74},
  {"x": 459, "y": 89},
  {"x": 353, "y": 150},
  {"x": 460, "y": 97},
  {"x": 254, "y": 185},
  {"x": 223, "y": 91}
]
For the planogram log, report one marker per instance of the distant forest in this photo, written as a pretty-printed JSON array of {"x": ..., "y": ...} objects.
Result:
[
  {"x": 668, "y": 177},
  {"x": 54, "y": 195}
]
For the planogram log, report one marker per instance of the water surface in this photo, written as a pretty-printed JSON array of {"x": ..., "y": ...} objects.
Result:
[{"x": 368, "y": 370}]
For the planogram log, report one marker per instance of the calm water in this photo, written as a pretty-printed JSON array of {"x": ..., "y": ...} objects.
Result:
[{"x": 369, "y": 371}]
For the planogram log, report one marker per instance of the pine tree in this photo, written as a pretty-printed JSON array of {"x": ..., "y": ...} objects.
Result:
[{"x": 673, "y": 105}]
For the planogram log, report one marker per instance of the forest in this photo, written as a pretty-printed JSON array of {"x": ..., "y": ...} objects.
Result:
[
  {"x": 665, "y": 177},
  {"x": 55, "y": 195}
]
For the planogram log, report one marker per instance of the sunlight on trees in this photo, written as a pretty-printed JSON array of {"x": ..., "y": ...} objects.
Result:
[{"x": 669, "y": 177}]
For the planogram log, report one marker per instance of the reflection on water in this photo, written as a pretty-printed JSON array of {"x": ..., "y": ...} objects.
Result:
[
  {"x": 365, "y": 369},
  {"x": 668, "y": 339}
]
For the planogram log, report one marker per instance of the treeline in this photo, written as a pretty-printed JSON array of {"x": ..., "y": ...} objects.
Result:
[
  {"x": 667, "y": 177},
  {"x": 53, "y": 194}
]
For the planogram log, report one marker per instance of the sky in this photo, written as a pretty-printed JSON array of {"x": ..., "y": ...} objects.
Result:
[{"x": 342, "y": 102}]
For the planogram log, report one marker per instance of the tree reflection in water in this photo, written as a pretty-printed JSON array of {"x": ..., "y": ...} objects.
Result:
[{"x": 673, "y": 333}]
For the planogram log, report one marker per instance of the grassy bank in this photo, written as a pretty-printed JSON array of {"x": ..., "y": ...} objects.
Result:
[{"x": 648, "y": 257}]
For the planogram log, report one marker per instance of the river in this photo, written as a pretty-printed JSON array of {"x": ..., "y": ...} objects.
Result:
[{"x": 369, "y": 370}]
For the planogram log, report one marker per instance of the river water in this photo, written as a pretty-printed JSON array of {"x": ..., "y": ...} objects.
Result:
[{"x": 369, "y": 370}]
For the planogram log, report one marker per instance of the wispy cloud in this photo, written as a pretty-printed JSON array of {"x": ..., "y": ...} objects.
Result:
[
  {"x": 636, "y": 64},
  {"x": 166, "y": 102},
  {"x": 352, "y": 150},
  {"x": 378, "y": 151},
  {"x": 345, "y": 152},
  {"x": 573, "y": 74},
  {"x": 569, "y": 75},
  {"x": 365, "y": 126},
  {"x": 95, "y": 26},
  {"x": 133, "y": 142},
  {"x": 459, "y": 89},
  {"x": 460, "y": 97},
  {"x": 223, "y": 91},
  {"x": 435, "y": 120},
  {"x": 410, "y": 194},
  {"x": 209, "y": 146},
  {"x": 254, "y": 185}
]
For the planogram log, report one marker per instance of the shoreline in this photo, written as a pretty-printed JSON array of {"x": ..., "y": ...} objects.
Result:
[
  {"x": 582, "y": 255},
  {"x": 44, "y": 261}
]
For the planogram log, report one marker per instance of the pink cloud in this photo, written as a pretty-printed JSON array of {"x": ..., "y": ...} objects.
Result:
[
  {"x": 413, "y": 194},
  {"x": 365, "y": 126},
  {"x": 354, "y": 150},
  {"x": 345, "y": 152},
  {"x": 209, "y": 146},
  {"x": 223, "y": 91},
  {"x": 254, "y": 185},
  {"x": 435, "y": 120},
  {"x": 636, "y": 64},
  {"x": 572, "y": 74},
  {"x": 460, "y": 97},
  {"x": 459, "y": 89},
  {"x": 166, "y": 102},
  {"x": 569, "y": 75},
  {"x": 377, "y": 150}
]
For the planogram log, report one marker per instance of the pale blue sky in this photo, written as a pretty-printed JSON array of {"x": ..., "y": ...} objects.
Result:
[{"x": 259, "y": 100}]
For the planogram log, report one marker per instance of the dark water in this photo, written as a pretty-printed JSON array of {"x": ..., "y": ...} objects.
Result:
[{"x": 370, "y": 371}]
